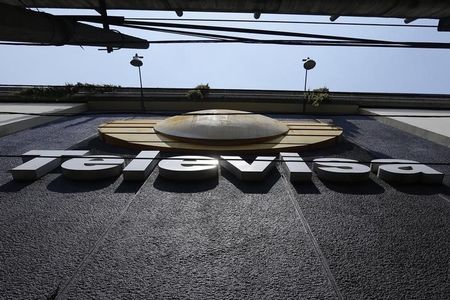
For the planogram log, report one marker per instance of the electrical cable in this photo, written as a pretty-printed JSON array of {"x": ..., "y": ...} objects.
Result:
[
  {"x": 409, "y": 45},
  {"x": 250, "y": 31},
  {"x": 283, "y": 22},
  {"x": 224, "y": 38},
  {"x": 234, "y": 39},
  {"x": 330, "y": 39},
  {"x": 297, "y": 43},
  {"x": 23, "y": 4},
  {"x": 309, "y": 43},
  {"x": 323, "y": 40},
  {"x": 191, "y": 33}
]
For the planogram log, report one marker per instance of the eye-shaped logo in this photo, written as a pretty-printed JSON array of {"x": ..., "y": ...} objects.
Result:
[{"x": 219, "y": 130}]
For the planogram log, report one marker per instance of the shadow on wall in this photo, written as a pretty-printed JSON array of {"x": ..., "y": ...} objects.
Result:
[
  {"x": 129, "y": 187},
  {"x": 98, "y": 147},
  {"x": 173, "y": 186},
  {"x": 342, "y": 149},
  {"x": 14, "y": 186},
  {"x": 248, "y": 187},
  {"x": 82, "y": 121},
  {"x": 350, "y": 129},
  {"x": 308, "y": 188},
  {"x": 62, "y": 185},
  {"x": 368, "y": 187},
  {"x": 421, "y": 189}
]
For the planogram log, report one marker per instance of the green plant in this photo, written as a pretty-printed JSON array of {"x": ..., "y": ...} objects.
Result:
[
  {"x": 57, "y": 92},
  {"x": 318, "y": 96},
  {"x": 200, "y": 92}
]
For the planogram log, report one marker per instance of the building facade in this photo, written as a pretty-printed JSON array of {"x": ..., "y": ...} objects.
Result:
[{"x": 223, "y": 237}]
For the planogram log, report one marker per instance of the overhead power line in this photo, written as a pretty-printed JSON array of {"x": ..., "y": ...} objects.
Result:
[
  {"x": 319, "y": 39},
  {"x": 410, "y": 45},
  {"x": 283, "y": 22},
  {"x": 215, "y": 37},
  {"x": 310, "y": 43},
  {"x": 204, "y": 31},
  {"x": 249, "y": 31}
]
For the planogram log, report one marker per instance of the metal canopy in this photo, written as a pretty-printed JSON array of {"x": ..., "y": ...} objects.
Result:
[
  {"x": 19, "y": 24},
  {"x": 435, "y": 9}
]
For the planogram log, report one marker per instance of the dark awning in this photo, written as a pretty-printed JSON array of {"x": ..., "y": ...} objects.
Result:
[{"x": 435, "y": 9}]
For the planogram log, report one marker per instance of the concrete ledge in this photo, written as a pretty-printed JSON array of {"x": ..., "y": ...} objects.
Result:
[
  {"x": 417, "y": 122},
  {"x": 15, "y": 117},
  {"x": 259, "y": 107},
  {"x": 129, "y": 98}
]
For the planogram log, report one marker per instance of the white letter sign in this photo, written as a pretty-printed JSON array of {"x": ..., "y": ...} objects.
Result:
[
  {"x": 255, "y": 171},
  {"x": 141, "y": 167},
  {"x": 93, "y": 167},
  {"x": 46, "y": 161},
  {"x": 188, "y": 167},
  {"x": 340, "y": 169},
  {"x": 405, "y": 171},
  {"x": 77, "y": 166},
  {"x": 297, "y": 170}
]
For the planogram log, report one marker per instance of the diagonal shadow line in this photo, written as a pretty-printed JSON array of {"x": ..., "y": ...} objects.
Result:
[
  {"x": 444, "y": 197},
  {"x": 96, "y": 246},
  {"x": 323, "y": 259}
]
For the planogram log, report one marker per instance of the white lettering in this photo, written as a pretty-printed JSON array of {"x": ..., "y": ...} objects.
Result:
[
  {"x": 188, "y": 168},
  {"x": 141, "y": 167},
  {"x": 296, "y": 169},
  {"x": 256, "y": 171},
  {"x": 340, "y": 170},
  {"x": 37, "y": 163},
  {"x": 405, "y": 171},
  {"x": 40, "y": 162},
  {"x": 93, "y": 167}
]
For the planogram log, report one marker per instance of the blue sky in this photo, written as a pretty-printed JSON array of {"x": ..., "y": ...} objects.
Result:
[{"x": 245, "y": 66}]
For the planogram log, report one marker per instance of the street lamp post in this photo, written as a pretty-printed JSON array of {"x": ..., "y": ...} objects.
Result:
[
  {"x": 308, "y": 64},
  {"x": 137, "y": 62}
]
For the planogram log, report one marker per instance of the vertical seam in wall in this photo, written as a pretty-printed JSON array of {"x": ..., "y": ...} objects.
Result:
[
  {"x": 97, "y": 244},
  {"x": 443, "y": 197},
  {"x": 315, "y": 243},
  {"x": 63, "y": 287}
]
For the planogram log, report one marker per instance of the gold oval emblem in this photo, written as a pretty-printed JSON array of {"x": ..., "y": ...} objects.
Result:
[{"x": 221, "y": 131}]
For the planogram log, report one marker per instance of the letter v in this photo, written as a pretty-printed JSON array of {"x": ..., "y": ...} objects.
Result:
[{"x": 256, "y": 171}]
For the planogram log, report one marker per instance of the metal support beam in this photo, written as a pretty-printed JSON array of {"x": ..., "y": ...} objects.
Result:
[
  {"x": 334, "y": 18},
  {"x": 444, "y": 24},
  {"x": 18, "y": 24},
  {"x": 409, "y": 20},
  {"x": 104, "y": 14},
  {"x": 422, "y": 9}
]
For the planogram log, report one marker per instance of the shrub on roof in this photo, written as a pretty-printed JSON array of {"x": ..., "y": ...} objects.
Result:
[
  {"x": 57, "y": 92},
  {"x": 200, "y": 92},
  {"x": 318, "y": 96}
]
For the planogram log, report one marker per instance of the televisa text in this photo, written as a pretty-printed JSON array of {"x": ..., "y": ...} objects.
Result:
[{"x": 79, "y": 165}]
